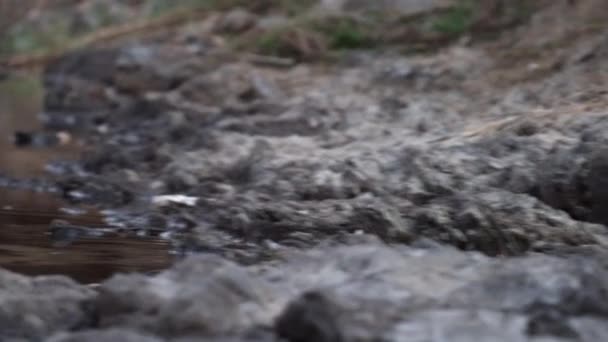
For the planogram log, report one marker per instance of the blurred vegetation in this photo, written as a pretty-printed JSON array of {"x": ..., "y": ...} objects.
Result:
[
  {"x": 456, "y": 20},
  {"x": 301, "y": 35},
  {"x": 28, "y": 38},
  {"x": 12, "y": 12},
  {"x": 346, "y": 32},
  {"x": 309, "y": 37},
  {"x": 61, "y": 23}
]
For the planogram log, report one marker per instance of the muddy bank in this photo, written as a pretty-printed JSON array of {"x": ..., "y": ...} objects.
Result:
[
  {"x": 384, "y": 147},
  {"x": 457, "y": 195}
]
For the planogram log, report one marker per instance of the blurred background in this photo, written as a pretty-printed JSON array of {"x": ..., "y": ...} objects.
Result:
[
  {"x": 514, "y": 55},
  {"x": 33, "y": 33}
]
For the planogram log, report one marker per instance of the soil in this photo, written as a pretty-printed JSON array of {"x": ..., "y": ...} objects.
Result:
[{"x": 456, "y": 195}]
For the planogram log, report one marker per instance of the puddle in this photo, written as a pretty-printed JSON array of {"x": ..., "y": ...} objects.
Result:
[{"x": 27, "y": 244}]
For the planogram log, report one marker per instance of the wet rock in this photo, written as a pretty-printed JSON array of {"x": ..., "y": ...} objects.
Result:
[
  {"x": 597, "y": 183},
  {"x": 310, "y": 318},
  {"x": 77, "y": 88},
  {"x": 63, "y": 234},
  {"x": 257, "y": 221},
  {"x": 550, "y": 324},
  {"x": 562, "y": 184},
  {"x": 81, "y": 99},
  {"x": 484, "y": 222},
  {"x": 92, "y": 65},
  {"x": 101, "y": 192},
  {"x": 137, "y": 70}
]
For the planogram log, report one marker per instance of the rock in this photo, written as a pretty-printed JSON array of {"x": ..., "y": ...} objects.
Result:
[
  {"x": 227, "y": 86},
  {"x": 110, "y": 335},
  {"x": 364, "y": 292},
  {"x": 309, "y": 318},
  {"x": 92, "y": 65},
  {"x": 108, "y": 192},
  {"x": 203, "y": 295},
  {"x": 597, "y": 183},
  {"x": 484, "y": 223},
  {"x": 385, "y": 298},
  {"x": 34, "y": 308},
  {"x": 137, "y": 70}
]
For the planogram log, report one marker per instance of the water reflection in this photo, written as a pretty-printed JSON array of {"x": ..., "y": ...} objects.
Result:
[{"x": 28, "y": 249}]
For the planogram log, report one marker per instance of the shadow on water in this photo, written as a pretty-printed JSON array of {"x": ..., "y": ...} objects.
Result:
[{"x": 26, "y": 240}]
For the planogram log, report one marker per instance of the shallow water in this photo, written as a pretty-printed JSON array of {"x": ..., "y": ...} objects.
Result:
[
  {"x": 26, "y": 243},
  {"x": 20, "y": 101}
]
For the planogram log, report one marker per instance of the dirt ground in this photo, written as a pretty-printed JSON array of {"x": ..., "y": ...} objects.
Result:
[{"x": 369, "y": 194}]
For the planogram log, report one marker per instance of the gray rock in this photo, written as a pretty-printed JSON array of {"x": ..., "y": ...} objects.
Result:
[
  {"x": 531, "y": 299},
  {"x": 597, "y": 182},
  {"x": 203, "y": 295},
  {"x": 365, "y": 292},
  {"x": 110, "y": 335},
  {"x": 33, "y": 308}
]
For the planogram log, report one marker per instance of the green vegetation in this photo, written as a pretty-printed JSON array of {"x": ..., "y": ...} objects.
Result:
[
  {"x": 57, "y": 30},
  {"x": 301, "y": 34},
  {"x": 308, "y": 37},
  {"x": 456, "y": 20},
  {"x": 53, "y": 32},
  {"x": 345, "y": 33},
  {"x": 155, "y": 8}
]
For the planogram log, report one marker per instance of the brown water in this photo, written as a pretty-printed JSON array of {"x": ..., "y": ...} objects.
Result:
[{"x": 25, "y": 240}]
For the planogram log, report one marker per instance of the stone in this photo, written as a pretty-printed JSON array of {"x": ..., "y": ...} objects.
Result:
[{"x": 33, "y": 308}]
